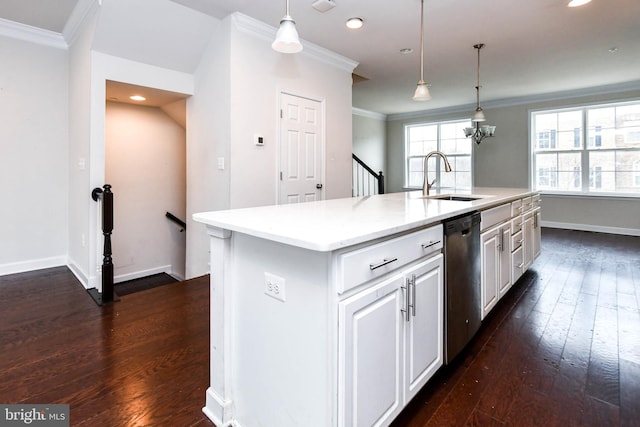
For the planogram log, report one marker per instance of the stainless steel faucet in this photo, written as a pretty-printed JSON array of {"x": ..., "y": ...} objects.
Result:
[{"x": 425, "y": 183}]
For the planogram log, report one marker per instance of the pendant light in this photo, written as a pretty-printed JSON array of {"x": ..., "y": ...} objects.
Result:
[
  {"x": 287, "y": 37},
  {"x": 422, "y": 90},
  {"x": 478, "y": 132}
]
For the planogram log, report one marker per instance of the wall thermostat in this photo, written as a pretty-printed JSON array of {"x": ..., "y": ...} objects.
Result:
[{"x": 258, "y": 140}]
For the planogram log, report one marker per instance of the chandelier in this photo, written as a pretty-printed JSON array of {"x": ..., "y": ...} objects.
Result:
[{"x": 479, "y": 132}]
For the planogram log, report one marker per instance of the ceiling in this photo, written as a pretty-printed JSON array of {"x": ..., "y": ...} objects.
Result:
[{"x": 533, "y": 48}]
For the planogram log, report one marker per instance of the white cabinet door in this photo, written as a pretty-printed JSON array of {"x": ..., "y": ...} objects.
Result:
[
  {"x": 490, "y": 267},
  {"x": 528, "y": 237},
  {"x": 505, "y": 259},
  {"x": 517, "y": 264},
  {"x": 536, "y": 235},
  {"x": 371, "y": 354},
  {"x": 424, "y": 328}
]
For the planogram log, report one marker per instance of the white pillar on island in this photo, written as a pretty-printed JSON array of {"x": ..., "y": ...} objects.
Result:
[{"x": 219, "y": 402}]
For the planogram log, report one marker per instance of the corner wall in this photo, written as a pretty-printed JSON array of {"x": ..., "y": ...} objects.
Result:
[{"x": 33, "y": 159}]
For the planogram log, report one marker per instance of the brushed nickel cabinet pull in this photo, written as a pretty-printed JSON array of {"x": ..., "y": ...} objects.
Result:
[{"x": 384, "y": 262}]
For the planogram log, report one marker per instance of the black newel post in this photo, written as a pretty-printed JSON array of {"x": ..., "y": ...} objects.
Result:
[
  {"x": 107, "y": 228},
  {"x": 108, "y": 295}
]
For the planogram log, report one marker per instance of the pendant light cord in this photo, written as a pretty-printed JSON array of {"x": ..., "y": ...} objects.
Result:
[{"x": 422, "y": 40}]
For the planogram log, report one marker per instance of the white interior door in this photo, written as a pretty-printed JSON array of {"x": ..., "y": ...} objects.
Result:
[{"x": 301, "y": 149}]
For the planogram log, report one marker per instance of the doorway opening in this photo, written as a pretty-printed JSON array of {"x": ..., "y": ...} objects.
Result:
[{"x": 145, "y": 163}]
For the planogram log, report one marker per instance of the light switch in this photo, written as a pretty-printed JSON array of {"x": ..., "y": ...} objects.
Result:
[
  {"x": 221, "y": 163},
  {"x": 258, "y": 140}
]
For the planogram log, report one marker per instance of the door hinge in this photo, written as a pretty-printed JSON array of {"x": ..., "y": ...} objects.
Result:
[
  {"x": 281, "y": 113},
  {"x": 280, "y": 176}
]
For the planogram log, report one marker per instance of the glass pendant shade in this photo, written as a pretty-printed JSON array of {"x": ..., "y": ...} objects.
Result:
[
  {"x": 422, "y": 92},
  {"x": 287, "y": 37},
  {"x": 478, "y": 116}
]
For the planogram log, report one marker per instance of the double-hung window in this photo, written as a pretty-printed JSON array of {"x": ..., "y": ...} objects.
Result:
[
  {"x": 591, "y": 150},
  {"x": 448, "y": 137}
]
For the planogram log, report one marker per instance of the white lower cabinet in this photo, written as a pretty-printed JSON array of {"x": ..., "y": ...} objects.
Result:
[
  {"x": 390, "y": 343},
  {"x": 495, "y": 250}
]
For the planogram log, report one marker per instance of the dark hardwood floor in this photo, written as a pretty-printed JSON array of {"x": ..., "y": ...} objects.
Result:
[
  {"x": 562, "y": 348},
  {"x": 143, "y": 361}
]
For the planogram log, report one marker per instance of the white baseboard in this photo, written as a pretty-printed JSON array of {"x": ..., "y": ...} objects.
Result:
[
  {"x": 589, "y": 227},
  {"x": 80, "y": 275},
  {"x": 33, "y": 264},
  {"x": 144, "y": 273}
]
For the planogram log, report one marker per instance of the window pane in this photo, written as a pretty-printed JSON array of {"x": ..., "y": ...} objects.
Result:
[
  {"x": 561, "y": 171},
  {"x": 602, "y": 166},
  {"x": 558, "y": 131},
  {"x": 614, "y": 127},
  {"x": 448, "y": 138},
  {"x": 422, "y": 139}
]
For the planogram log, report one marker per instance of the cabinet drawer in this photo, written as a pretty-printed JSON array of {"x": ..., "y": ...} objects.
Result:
[
  {"x": 516, "y": 207},
  {"x": 516, "y": 224},
  {"x": 369, "y": 262},
  {"x": 494, "y": 216},
  {"x": 536, "y": 201},
  {"x": 516, "y": 240},
  {"x": 527, "y": 204}
]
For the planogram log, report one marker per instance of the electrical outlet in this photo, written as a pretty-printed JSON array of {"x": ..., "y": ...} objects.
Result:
[{"x": 274, "y": 286}]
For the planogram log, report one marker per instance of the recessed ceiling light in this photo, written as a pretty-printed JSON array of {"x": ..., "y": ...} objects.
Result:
[
  {"x": 137, "y": 98},
  {"x": 576, "y": 3},
  {"x": 406, "y": 50},
  {"x": 355, "y": 23}
]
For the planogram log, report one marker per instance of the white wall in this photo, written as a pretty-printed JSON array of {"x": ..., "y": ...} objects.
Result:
[
  {"x": 369, "y": 140},
  {"x": 146, "y": 166},
  {"x": 208, "y": 128},
  {"x": 80, "y": 242},
  {"x": 33, "y": 156}
]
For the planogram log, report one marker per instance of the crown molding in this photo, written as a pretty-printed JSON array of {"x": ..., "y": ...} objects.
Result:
[
  {"x": 31, "y": 34},
  {"x": 368, "y": 114},
  {"x": 83, "y": 9},
  {"x": 533, "y": 99},
  {"x": 266, "y": 32}
]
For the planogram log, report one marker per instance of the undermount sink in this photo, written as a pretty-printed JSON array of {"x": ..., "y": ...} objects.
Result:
[{"x": 459, "y": 198}]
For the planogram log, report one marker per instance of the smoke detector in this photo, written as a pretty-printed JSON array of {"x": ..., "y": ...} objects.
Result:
[{"x": 323, "y": 5}]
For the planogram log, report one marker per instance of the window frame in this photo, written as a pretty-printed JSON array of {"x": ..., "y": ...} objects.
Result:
[
  {"x": 584, "y": 151},
  {"x": 439, "y": 164}
]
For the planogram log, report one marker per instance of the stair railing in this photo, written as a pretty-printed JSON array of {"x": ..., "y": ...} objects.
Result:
[
  {"x": 364, "y": 180},
  {"x": 178, "y": 221}
]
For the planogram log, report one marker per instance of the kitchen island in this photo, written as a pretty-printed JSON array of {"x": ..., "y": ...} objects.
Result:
[{"x": 330, "y": 313}]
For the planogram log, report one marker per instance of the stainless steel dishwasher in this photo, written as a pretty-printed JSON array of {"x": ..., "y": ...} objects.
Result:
[{"x": 462, "y": 282}]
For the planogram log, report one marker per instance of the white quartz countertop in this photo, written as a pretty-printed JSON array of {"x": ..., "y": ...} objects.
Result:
[{"x": 328, "y": 225}]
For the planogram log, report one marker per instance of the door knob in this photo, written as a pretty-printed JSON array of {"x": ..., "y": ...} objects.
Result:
[{"x": 319, "y": 186}]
